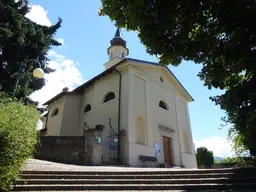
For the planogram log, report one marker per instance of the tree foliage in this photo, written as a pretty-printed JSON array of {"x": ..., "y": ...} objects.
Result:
[
  {"x": 18, "y": 137},
  {"x": 204, "y": 157},
  {"x": 238, "y": 161},
  {"x": 237, "y": 140},
  {"x": 218, "y": 34},
  {"x": 20, "y": 40}
]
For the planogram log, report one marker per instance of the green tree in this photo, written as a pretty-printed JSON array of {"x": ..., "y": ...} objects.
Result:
[
  {"x": 204, "y": 157},
  {"x": 20, "y": 40},
  {"x": 218, "y": 34}
]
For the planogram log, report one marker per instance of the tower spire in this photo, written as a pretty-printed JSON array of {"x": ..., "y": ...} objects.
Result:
[
  {"x": 118, "y": 33},
  {"x": 118, "y": 46},
  {"x": 118, "y": 39}
]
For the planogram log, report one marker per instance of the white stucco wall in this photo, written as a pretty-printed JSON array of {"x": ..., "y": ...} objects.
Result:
[
  {"x": 154, "y": 117},
  {"x": 71, "y": 115},
  {"x": 54, "y": 123},
  {"x": 188, "y": 157},
  {"x": 157, "y": 117},
  {"x": 124, "y": 116},
  {"x": 138, "y": 108},
  {"x": 189, "y": 160},
  {"x": 101, "y": 112}
]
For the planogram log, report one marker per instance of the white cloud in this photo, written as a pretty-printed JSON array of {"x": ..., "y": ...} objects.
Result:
[
  {"x": 39, "y": 15},
  {"x": 221, "y": 147},
  {"x": 61, "y": 41},
  {"x": 66, "y": 75},
  {"x": 55, "y": 55}
]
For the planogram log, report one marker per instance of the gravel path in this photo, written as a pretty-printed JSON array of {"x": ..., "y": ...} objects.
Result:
[{"x": 39, "y": 165}]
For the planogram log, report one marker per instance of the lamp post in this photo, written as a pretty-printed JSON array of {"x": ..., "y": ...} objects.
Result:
[{"x": 37, "y": 73}]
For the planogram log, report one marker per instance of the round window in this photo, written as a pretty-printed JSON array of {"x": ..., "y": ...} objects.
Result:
[{"x": 161, "y": 79}]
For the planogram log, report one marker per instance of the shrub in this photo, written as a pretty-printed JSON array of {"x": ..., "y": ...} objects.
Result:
[
  {"x": 204, "y": 157},
  {"x": 18, "y": 137}
]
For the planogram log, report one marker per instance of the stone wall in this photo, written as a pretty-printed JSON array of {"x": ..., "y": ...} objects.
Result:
[
  {"x": 61, "y": 149},
  {"x": 81, "y": 150},
  {"x": 93, "y": 150}
]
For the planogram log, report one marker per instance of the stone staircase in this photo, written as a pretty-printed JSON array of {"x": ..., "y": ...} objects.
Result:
[{"x": 188, "y": 180}]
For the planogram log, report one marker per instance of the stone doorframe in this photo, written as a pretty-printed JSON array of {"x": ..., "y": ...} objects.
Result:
[{"x": 167, "y": 132}]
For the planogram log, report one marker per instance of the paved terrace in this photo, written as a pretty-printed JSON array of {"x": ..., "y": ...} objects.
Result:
[{"x": 40, "y": 165}]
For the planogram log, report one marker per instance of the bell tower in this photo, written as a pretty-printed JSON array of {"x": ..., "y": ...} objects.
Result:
[{"x": 118, "y": 46}]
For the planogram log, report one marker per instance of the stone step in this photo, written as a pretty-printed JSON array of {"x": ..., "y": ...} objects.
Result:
[
  {"x": 150, "y": 172},
  {"x": 136, "y": 181},
  {"x": 143, "y": 179},
  {"x": 226, "y": 190},
  {"x": 197, "y": 187},
  {"x": 124, "y": 176},
  {"x": 231, "y": 190},
  {"x": 151, "y": 191}
]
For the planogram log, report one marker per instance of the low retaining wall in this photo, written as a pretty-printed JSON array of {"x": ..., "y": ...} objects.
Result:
[
  {"x": 61, "y": 149},
  {"x": 83, "y": 150}
]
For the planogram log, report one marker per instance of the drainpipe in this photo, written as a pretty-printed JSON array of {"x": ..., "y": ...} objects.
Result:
[
  {"x": 46, "y": 121},
  {"x": 119, "y": 117}
]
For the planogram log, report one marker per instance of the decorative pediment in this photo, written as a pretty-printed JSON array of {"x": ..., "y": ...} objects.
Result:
[
  {"x": 162, "y": 76},
  {"x": 167, "y": 129}
]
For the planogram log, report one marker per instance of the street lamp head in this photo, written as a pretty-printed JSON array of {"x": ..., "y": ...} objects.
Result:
[{"x": 38, "y": 73}]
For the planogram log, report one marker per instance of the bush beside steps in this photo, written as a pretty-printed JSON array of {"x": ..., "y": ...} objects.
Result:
[{"x": 18, "y": 137}]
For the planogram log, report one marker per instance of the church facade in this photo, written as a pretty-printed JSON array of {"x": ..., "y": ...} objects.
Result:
[{"x": 142, "y": 100}]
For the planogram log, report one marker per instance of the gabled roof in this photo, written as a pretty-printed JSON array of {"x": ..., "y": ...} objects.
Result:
[
  {"x": 44, "y": 114},
  {"x": 57, "y": 97},
  {"x": 91, "y": 81},
  {"x": 80, "y": 89}
]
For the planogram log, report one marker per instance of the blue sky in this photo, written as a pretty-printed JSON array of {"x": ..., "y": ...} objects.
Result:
[{"x": 86, "y": 38}]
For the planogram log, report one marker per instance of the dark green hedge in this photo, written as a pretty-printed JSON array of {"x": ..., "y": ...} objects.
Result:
[
  {"x": 18, "y": 137},
  {"x": 204, "y": 157}
]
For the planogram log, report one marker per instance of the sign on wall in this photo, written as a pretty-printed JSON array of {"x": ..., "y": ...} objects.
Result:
[
  {"x": 98, "y": 140},
  {"x": 157, "y": 149}
]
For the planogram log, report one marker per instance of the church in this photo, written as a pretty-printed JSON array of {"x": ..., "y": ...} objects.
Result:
[{"x": 141, "y": 107}]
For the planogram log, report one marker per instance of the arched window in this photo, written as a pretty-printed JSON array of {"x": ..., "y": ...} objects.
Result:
[
  {"x": 87, "y": 108},
  {"x": 122, "y": 55},
  {"x": 55, "y": 112},
  {"x": 163, "y": 105},
  {"x": 140, "y": 131},
  {"x": 109, "y": 96}
]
